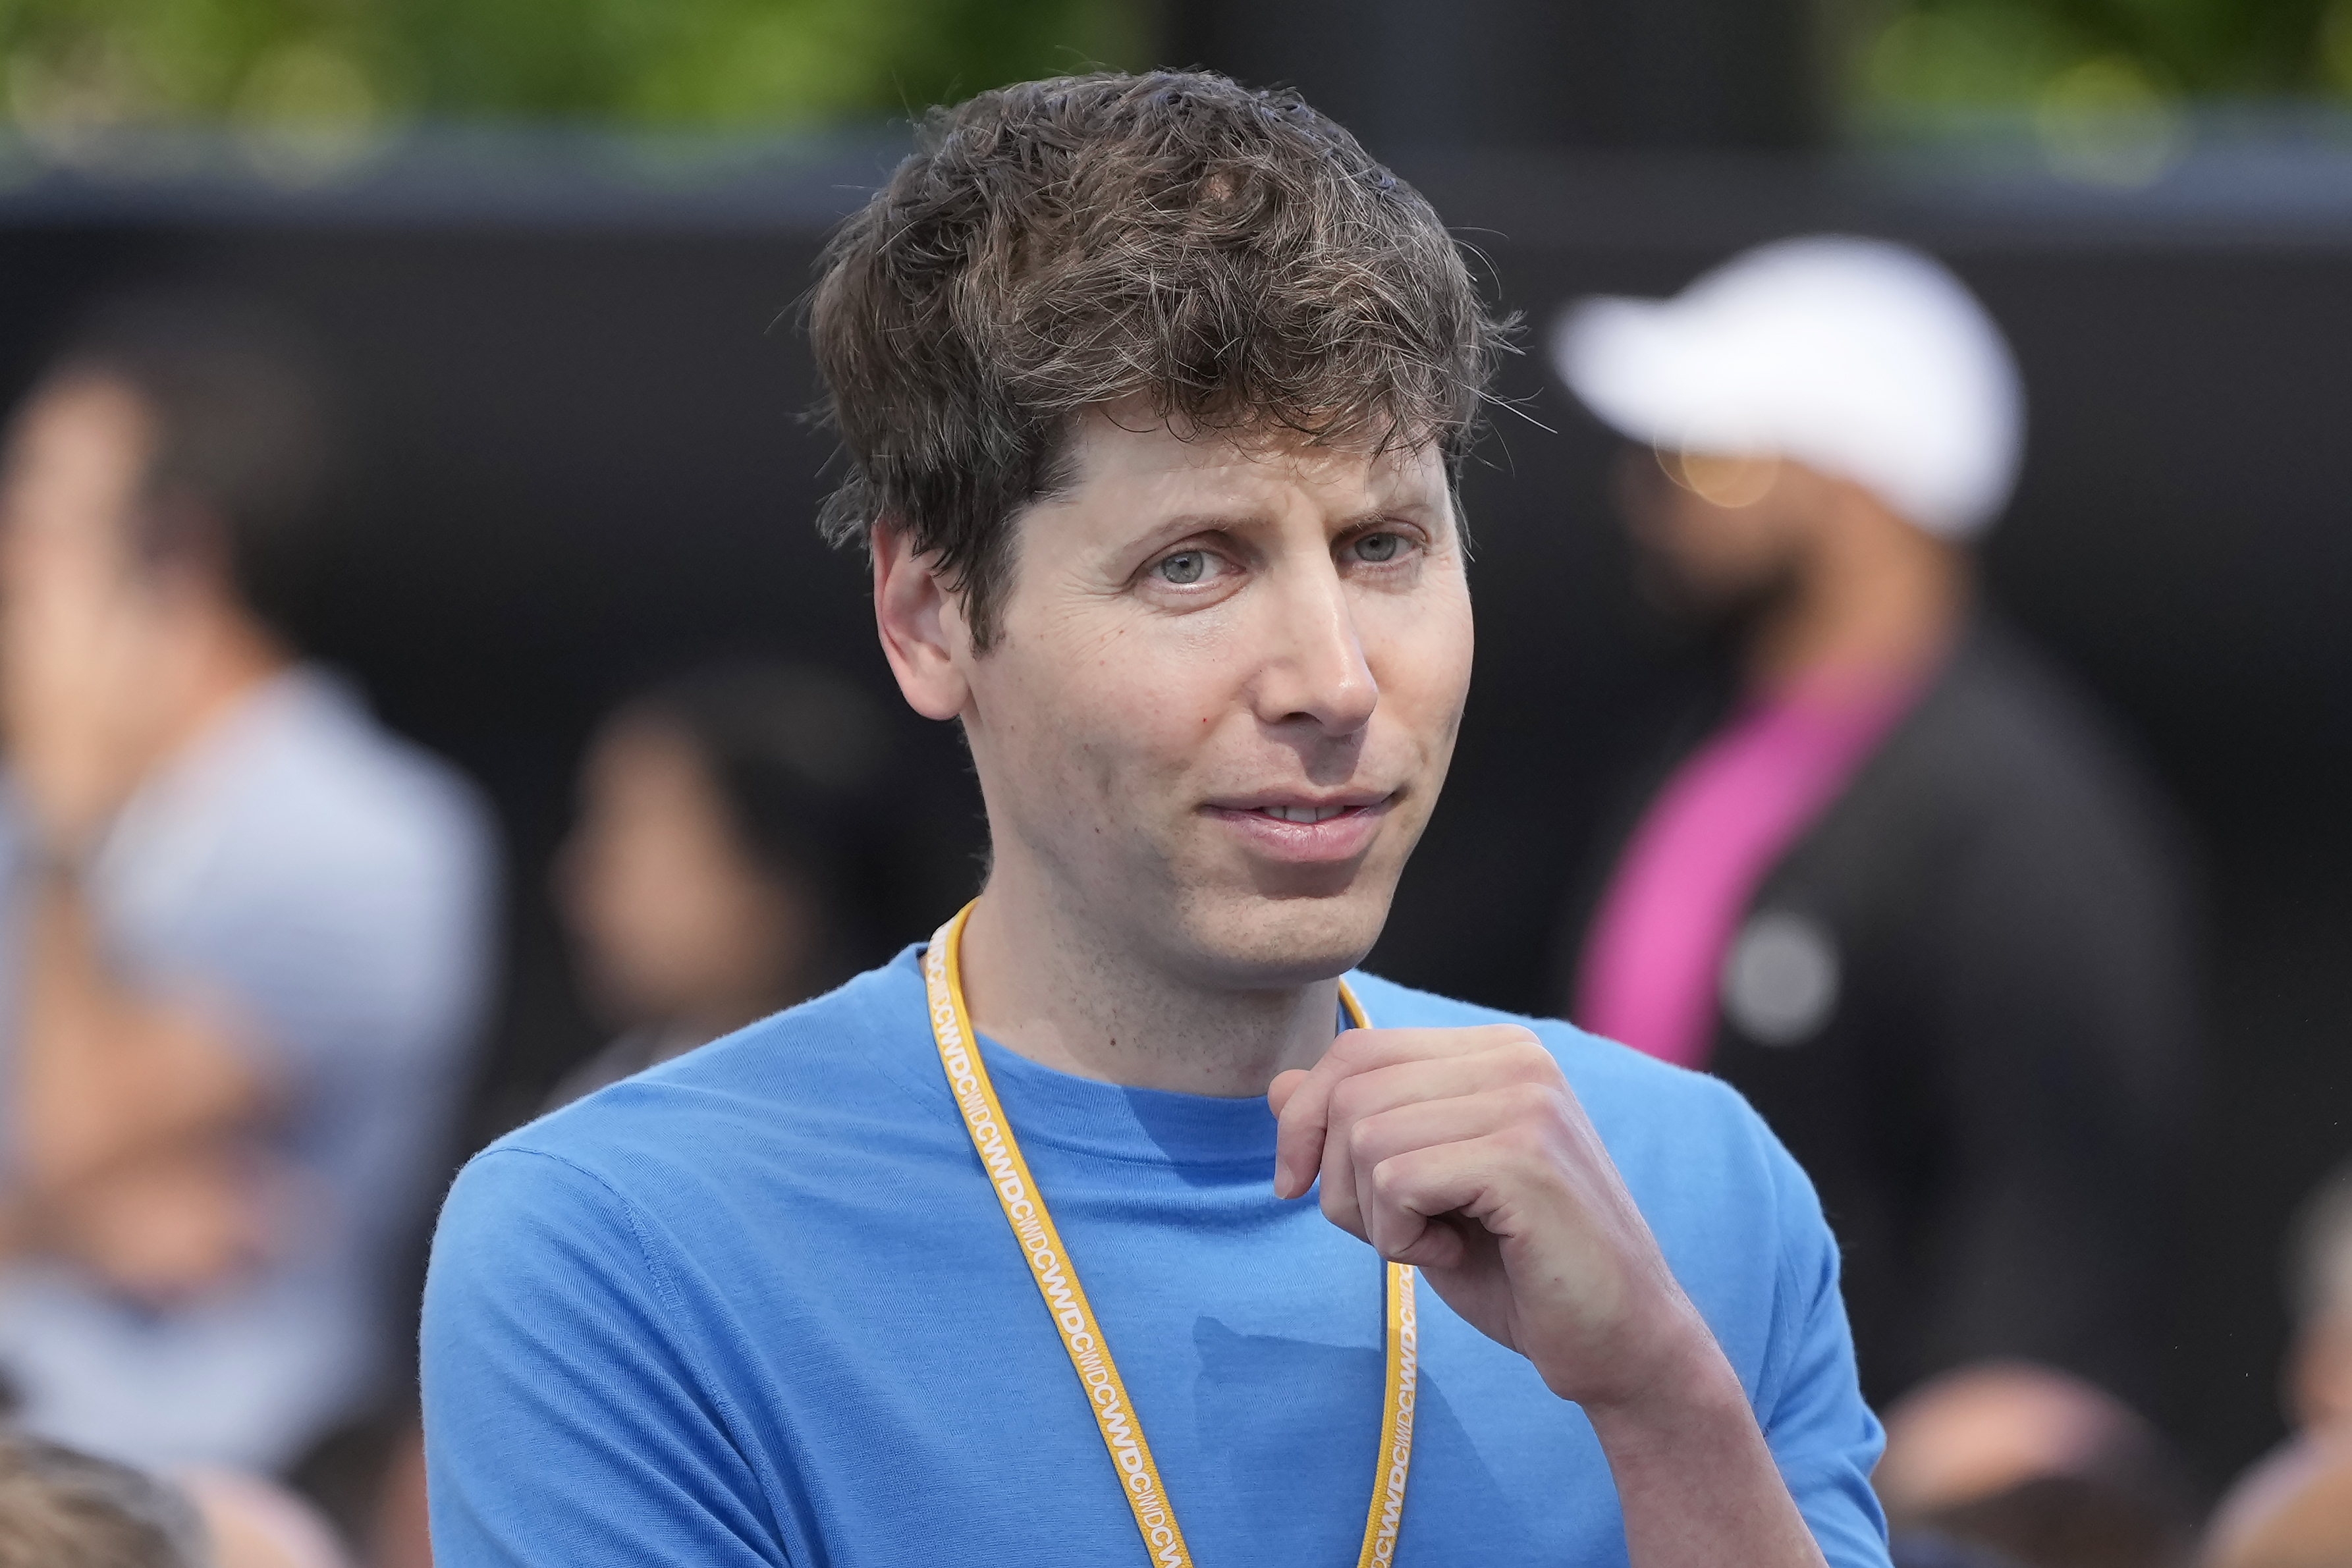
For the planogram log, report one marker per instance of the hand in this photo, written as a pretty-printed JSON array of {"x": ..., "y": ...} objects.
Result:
[
  {"x": 172, "y": 1228},
  {"x": 1463, "y": 1152}
]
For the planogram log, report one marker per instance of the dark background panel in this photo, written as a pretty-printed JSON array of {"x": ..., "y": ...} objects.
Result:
[{"x": 583, "y": 464}]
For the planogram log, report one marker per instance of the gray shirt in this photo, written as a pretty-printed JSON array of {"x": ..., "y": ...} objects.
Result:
[{"x": 329, "y": 889}]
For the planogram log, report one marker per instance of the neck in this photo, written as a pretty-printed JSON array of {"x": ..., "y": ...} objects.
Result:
[
  {"x": 221, "y": 656},
  {"x": 1876, "y": 602},
  {"x": 1043, "y": 980}
]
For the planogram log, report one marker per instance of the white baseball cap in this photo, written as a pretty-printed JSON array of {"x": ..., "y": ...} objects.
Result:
[{"x": 1860, "y": 358}]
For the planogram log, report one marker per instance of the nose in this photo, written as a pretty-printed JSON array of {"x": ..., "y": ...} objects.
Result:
[{"x": 1315, "y": 671}]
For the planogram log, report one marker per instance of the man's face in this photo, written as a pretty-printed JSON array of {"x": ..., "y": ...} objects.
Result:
[
  {"x": 1224, "y": 694},
  {"x": 75, "y": 457},
  {"x": 92, "y": 673},
  {"x": 1715, "y": 536}
]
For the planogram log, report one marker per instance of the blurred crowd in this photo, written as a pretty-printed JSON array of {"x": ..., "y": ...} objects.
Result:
[{"x": 1895, "y": 878}]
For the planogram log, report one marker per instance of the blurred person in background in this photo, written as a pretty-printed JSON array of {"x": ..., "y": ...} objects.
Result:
[
  {"x": 2294, "y": 1509},
  {"x": 2291, "y": 1510},
  {"x": 722, "y": 866},
  {"x": 246, "y": 930},
  {"x": 2036, "y": 1469},
  {"x": 61, "y": 1507},
  {"x": 2316, "y": 1384},
  {"x": 1897, "y": 883}
]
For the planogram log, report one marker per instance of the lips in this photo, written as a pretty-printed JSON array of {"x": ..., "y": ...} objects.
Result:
[
  {"x": 1306, "y": 813},
  {"x": 1303, "y": 831}
]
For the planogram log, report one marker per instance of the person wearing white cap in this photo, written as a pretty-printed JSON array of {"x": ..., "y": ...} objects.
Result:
[{"x": 1898, "y": 884}]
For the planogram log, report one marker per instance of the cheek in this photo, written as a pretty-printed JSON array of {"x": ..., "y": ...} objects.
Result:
[
  {"x": 1103, "y": 722},
  {"x": 1725, "y": 543},
  {"x": 1423, "y": 669}
]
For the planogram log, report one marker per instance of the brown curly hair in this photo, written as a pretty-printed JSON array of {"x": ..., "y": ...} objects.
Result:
[{"x": 1232, "y": 258}]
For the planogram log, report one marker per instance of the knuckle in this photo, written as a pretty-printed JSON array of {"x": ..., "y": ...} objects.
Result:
[
  {"x": 1531, "y": 1104},
  {"x": 1525, "y": 1140},
  {"x": 1533, "y": 1056}
]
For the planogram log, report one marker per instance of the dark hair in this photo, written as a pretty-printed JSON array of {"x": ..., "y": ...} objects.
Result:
[
  {"x": 242, "y": 430},
  {"x": 796, "y": 755},
  {"x": 60, "y": 1508},
  {"x": 1231, "y": 256}
]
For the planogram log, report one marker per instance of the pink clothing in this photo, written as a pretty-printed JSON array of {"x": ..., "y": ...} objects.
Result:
[{"x": 1731, "y": 811}]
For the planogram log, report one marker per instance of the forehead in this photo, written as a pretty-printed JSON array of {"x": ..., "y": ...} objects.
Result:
[{"x": 1140, "y": 457}]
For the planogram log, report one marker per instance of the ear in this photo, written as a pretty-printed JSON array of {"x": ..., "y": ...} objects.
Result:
[{"x": 923, "y": 626}]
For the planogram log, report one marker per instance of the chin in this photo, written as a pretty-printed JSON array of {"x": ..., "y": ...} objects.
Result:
[{"x": 1245, "y": 939}]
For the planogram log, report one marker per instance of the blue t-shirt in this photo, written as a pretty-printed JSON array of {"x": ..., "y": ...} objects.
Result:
[{"x": 758, "y": 1305}]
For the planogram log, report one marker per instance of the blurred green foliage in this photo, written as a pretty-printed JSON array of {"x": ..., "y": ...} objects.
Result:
[
  {"x": 2067, "y": 56},
  {"x": 68, "y": 65},
  {"x": 688, "y": 64}
]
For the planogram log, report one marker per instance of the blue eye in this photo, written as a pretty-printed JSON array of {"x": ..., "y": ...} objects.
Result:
[
  {"x": 1184, "y": 567},
  {"x": 1377, "y": 548}
]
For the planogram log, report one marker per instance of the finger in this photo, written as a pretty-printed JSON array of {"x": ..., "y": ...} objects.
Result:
[
  {"x": 1284, "y": 1084},
  {"x": 1416, "y": 1125},
  {"x": 1409, "y": 1191},
  {"x": 1510, "y": 1075},
  {"x": 1306, "y": 1113},
  {"x": 1458, "y": 1119},
  {"x": 1376, "y": 1091},
  {"x": 1346, "y": 1100},
  {"x": 1369, "y": 1093},
  {"x": 1304, "y": 1116}
]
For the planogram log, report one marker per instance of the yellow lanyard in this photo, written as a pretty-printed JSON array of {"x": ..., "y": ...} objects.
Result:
[{"x": 1057, "y": 1281}]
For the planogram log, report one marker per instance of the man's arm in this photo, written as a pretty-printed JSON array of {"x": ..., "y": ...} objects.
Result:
[
  {"x": 136, "y": 1120},
  {"x": 1465, "y": 1153},
  {"x": 110, "y": 1077}
]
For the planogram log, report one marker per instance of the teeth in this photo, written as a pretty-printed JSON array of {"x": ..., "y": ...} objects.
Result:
[{"x": 1305, "y": 814}]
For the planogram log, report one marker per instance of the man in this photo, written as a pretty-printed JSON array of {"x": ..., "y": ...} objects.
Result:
[
  {"x": 1902, "y": 890},
  {"x": 246, "y": 929},
  {"x": 1152, "y": 389}
]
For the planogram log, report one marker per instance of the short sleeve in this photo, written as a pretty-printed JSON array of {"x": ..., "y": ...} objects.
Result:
[
  {"x": 566, "y": 1423},
  {"x": 1809, "y": 1398}
]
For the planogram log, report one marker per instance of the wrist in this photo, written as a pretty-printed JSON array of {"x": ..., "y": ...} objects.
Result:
[{"x": 1686, "y": 1387}]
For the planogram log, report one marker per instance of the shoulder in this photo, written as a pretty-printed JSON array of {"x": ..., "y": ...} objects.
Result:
[
  {"x": 776, "y": 1101},
  {"x": 331, "y": 790},
  {"x": 2007, "y": 728}
]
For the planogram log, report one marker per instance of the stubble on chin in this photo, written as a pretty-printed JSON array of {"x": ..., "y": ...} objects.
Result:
[{"x": 1239, "y": 938}]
